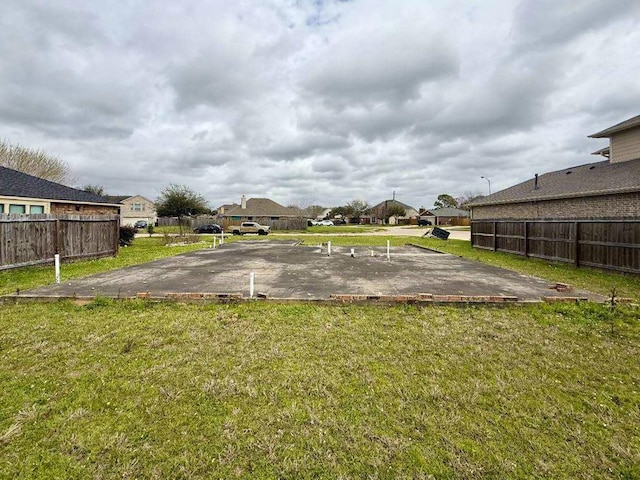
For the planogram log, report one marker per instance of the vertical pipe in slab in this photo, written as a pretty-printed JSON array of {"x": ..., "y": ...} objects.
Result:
[
  {"x": 388, "y": 250},
  {"x": 214, "y": 241},
  {"x": 329, "y": 249},
  {"x": 221, "y": 238},
  {"x": 56, "y": 261},
  {"x": 353, "y": 252},
  {"x": 252, "y": 278}
]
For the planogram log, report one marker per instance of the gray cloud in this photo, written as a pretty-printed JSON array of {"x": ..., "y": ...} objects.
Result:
[{"x": 316, "y": 102}]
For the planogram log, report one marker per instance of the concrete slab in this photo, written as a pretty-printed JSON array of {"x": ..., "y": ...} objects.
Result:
[{"x": 287, "y": 271}]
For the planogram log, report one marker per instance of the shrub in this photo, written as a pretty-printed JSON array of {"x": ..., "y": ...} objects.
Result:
[
  {"x": 150, "y": 229},
  {"x": 127, "y": 234}
]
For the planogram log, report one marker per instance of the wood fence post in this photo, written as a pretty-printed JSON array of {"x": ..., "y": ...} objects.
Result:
[
  {"x": 58, "y": 237},
  {"x": 576, "y": 244},
  {"x": 116, "y": 230},
  {"x": 526, "y": 239},
  {"x": 494, "y": 237}
]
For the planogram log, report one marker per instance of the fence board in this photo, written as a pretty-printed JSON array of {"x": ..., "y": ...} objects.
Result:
[
  {"x": 608, "y": 244},
  {"x": 35, "y": 239}
]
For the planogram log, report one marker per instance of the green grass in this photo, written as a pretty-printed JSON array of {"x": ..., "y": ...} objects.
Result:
[
  {"x": 140, "y": 390},
  {"x": 337, "y": 229},
  {"x": 141, "y": 251}
]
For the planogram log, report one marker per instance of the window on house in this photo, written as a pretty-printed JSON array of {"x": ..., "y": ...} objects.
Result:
[
  {"x": 137, "y": 207},
  {"x": 36, "y": 209},
  {"x": 1, "y": 207},
  {"x": 13, "y": 208}
]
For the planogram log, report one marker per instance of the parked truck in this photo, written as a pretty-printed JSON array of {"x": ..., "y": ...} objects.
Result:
[{"x": 250, "y": 227}]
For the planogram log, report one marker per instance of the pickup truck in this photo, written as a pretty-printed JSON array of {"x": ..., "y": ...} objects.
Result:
[{"x": 250, "y": 227}]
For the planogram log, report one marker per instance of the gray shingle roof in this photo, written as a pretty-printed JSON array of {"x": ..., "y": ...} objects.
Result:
[
  {"x": 600, "y": 178},
  {"x": 619, "y": 127},
  {"x": 117, "y": 198},
  {"x": 18, "y": 184},
  {"x": 261, "y": 207},
  {"x": 390, "y": 203}
]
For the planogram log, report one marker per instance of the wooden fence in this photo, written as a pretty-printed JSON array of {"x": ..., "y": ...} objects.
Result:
[
  {"x": 288, "y": 223},
  {"x": 607, "y": 244},
  {"x": 35, "y": 239}
]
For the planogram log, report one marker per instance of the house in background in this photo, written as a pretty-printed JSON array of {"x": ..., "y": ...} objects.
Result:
[
  {"x": 135, "y": 208},
  {"x": 445, "y": 216},
  {"x": 21, "y": 193},
  {"x": 379, "y": 212},
  {"x": 602, "y": 190},
  {"x": 261, "y": 210}
]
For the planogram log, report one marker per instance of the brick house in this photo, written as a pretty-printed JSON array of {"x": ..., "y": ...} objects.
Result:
[
  {"x": 608, "y": 189},
  {"x": 378, "y": 212},
  {"x": 135, "y": 208},
  {"x": 262, "y": 210},
  {"x": 21, "y": 193},
  {"x": 446, "y": 216}
]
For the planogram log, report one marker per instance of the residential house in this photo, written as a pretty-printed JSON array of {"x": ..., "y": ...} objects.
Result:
[
  {"x": 608, "y": 189},
  {"x": 21, "y": 193},
  {"x": 445, "y": 216},
  {"x": 135, "y": 208},
  {"x": 379, "y": 213},
  {"x": 262, "y": 210}
]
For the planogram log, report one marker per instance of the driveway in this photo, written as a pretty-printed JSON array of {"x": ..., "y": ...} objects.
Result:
[{"x": 287, "y": 271}]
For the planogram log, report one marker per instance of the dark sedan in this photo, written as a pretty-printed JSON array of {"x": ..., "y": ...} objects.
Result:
[{"x": 212, "y": 228}]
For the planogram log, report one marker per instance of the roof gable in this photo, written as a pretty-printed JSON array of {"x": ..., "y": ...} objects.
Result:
[
  {"x": 18, "y": 184},
  {"x": 619, "y": 127},
  {"x": 392, "y": 203},
  {"x": 260, "y": 207}
]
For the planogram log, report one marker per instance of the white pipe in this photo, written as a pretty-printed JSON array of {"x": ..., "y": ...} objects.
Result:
[
  {"x": 252, "y": 278},
  {"x": 56, "y": 261},
  {"x": 222, "y": 238},
  {"x": 329, "y": 249},
  {"x": 388, "y": 250},
  {"x": 353, "y": 252},
  {"x": 214, "y": 241},
  {"x": 372, "y": 252}
]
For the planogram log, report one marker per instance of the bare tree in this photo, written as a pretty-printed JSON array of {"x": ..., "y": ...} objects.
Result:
[
  {"x": 34, "y": 162},
  {"x": 95, "y": 189}
]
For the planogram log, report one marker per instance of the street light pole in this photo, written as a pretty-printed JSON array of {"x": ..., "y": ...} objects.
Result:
[{"x": 489, "y": 183}]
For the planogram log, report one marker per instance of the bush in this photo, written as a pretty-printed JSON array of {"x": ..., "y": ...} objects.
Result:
[
  {"x": 127, "y": 234},
  {"x": 150, "y": 229}
]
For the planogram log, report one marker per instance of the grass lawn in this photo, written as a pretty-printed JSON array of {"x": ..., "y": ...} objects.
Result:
[
  {"x": 141, "y": 390},
  {"x": 141, "y": 251}
]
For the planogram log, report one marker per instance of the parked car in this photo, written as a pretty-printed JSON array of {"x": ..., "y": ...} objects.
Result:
[
  {"x": 251, "y": 227},
  {"x": 325, "y": 223},
  {"x": 424, "y": 223},
  {"x": 141, "y": 224},
  {"x": 311, "y": 223},
  {"x": 339, "y": 221},
  {"x": 210, "y": 228}
]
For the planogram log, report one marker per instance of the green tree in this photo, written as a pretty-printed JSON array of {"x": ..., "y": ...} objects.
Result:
[
  {"x": 34, "y": 162},
  {"x": 180, "y": 201},
  {"x": 445, "y": 200},
  {"x": 356, "y": 208},
  {"x": 394, "y": 211}
]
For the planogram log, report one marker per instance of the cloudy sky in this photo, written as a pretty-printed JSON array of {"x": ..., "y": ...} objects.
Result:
[{"x": 316, "y": 102}]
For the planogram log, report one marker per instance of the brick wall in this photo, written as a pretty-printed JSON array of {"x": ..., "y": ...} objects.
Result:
[
  {"x": 79, "y": 209},
  {"x": 605, "y": 206}
]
